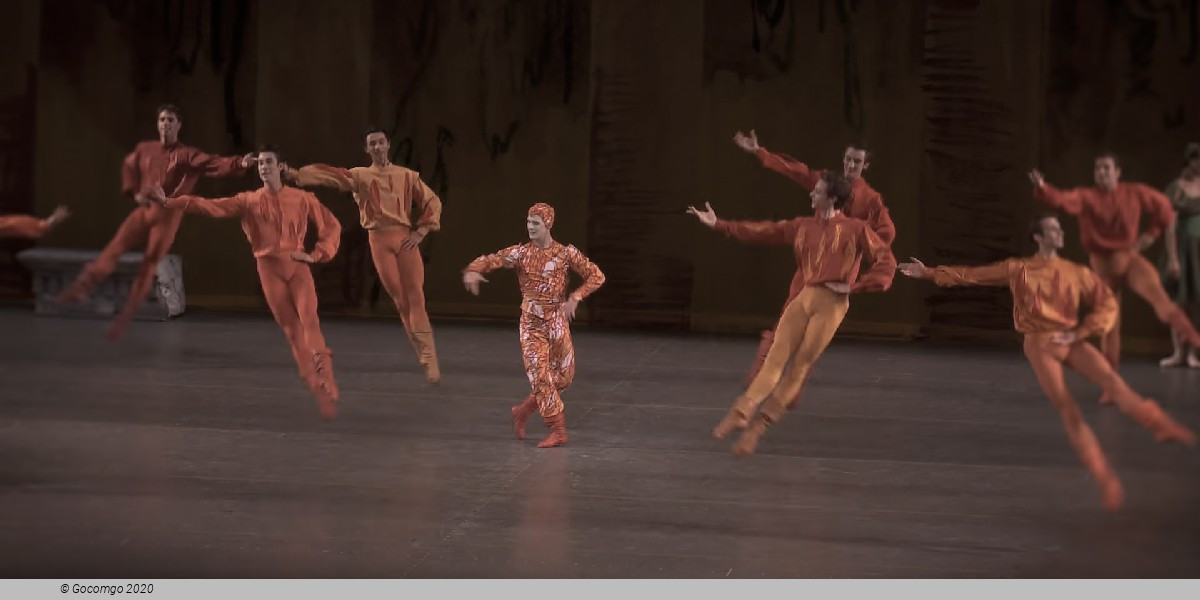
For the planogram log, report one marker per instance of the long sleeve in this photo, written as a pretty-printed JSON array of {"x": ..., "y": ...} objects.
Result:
[
  {"x": 428, "y": 205},
  {"x": 1103, "y": 316},
  {"x": 770, "y": 233},
  {"x": 219, "y": 208},
  {"x": 1068, "y": 201},
  {"x": 329, "y": 230},
  {"x": 325, "y": 176},
  {"x": 592, "y": 276},
  {"x": 1158, "y": 207},
  {"x": 131, "y": 176},
  {"x": 504, "y": 259},
  {"x": 23, "y": 226},
  {"x": 883, "y": 264},
  {"x": 993, "y": 274},
  {"x": 216, "y": 166},
  {"x": 788, "y": 167},
  {"x": 881, "y": 223}
]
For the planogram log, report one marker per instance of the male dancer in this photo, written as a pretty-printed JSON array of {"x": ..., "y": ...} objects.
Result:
[
  {"x": 1109, "y": 215},
  {"x": 387, "y": 195},
  {"x": 829, "y": 249},
  {"x": 865, "y": 204},
  {"x": 542, "y": 266},
  {"x": 1047, "y": 292},
  {"x": 275, "y": 219},
  {"x": 27, "y": 226},
  {"x": 165, "y": 163}
]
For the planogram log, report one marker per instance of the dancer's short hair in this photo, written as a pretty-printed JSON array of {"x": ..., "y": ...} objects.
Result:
[
  {"x": 171, "y": 108},
  {"x": 1191, "y": 152},
  {"x": 273, "y": 149},
  {"x": 374, "y": 129},
  {"x": 1036, "y": 227},
  {"x": 861, "y": 145},
  {"x": 837, "y": 186},
  {"x": 1113, "y": 155}
]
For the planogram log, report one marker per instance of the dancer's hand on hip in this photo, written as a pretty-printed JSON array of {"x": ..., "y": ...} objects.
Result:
[
  {"x": 915, "y": 269},
  {"x": 1145, "y": 241},
  {"x": 569, "y": 307},
  {"x": 303, "y": 257},
  {"x": 1065, "y": 338},
  {"x": 707, "y": 216},
  {"x": 413, "y": 240},
  {"x": 154, "y": 195},
  {"x": 471, "y": 281}
]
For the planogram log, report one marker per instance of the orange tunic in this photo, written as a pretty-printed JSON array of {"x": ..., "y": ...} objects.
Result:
[
  {"x": 23, "y": 226},
  {"x": 1108, "y": 221},
  {"x": 865, "y": 203},
  {"x": 275, "y": 223},
  {"x": 176, "y": 167},
  {"x": 1046, "y": 293},
  {"x": 386, "y": 196},
  {"x": 827, "y": 250},
  {"x": 542, "y": 272}
]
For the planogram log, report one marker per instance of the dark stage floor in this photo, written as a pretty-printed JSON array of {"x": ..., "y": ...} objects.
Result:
[{"x": 191, "y": 450}]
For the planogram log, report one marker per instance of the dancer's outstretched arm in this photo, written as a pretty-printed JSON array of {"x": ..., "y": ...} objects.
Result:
[
  {"x": 322, "y": 175},
  {"x": 954, "y": 276},
  {"x": 27, "y": 226},
  {"x": 218, "y": 208},
  {"x": 1069, "y": 201},
  {"x": 211, "y": 165},
  {"x": 780, "y": 163},
  {"x": 770, "y": 233}
]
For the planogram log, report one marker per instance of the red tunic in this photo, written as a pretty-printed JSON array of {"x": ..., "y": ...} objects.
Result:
[
  {"x": 865, "y": 203},
  {"x": 275, "y": 223},
  {"x": 176, "y": 167},
  {"x": 1109, "y": 220},
  {"x": 827, "y": 250}
]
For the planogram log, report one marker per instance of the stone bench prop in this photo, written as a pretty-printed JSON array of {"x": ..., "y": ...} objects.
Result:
[{"x": 55, "y": 268}]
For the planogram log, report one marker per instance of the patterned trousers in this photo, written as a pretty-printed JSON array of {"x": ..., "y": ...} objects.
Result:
[{"x": 549, "y": 355}]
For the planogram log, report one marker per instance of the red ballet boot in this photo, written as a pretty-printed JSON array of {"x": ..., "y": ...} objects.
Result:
[
  {"x": 558, "y": 432},
  {"x": 521, "y": 413}
]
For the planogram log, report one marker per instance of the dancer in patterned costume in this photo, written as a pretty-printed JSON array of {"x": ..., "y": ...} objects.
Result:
[{"x": 542, "y": 266}]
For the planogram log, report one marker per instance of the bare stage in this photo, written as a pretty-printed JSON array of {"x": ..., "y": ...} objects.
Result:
[{"x": 192, "y": 450}]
